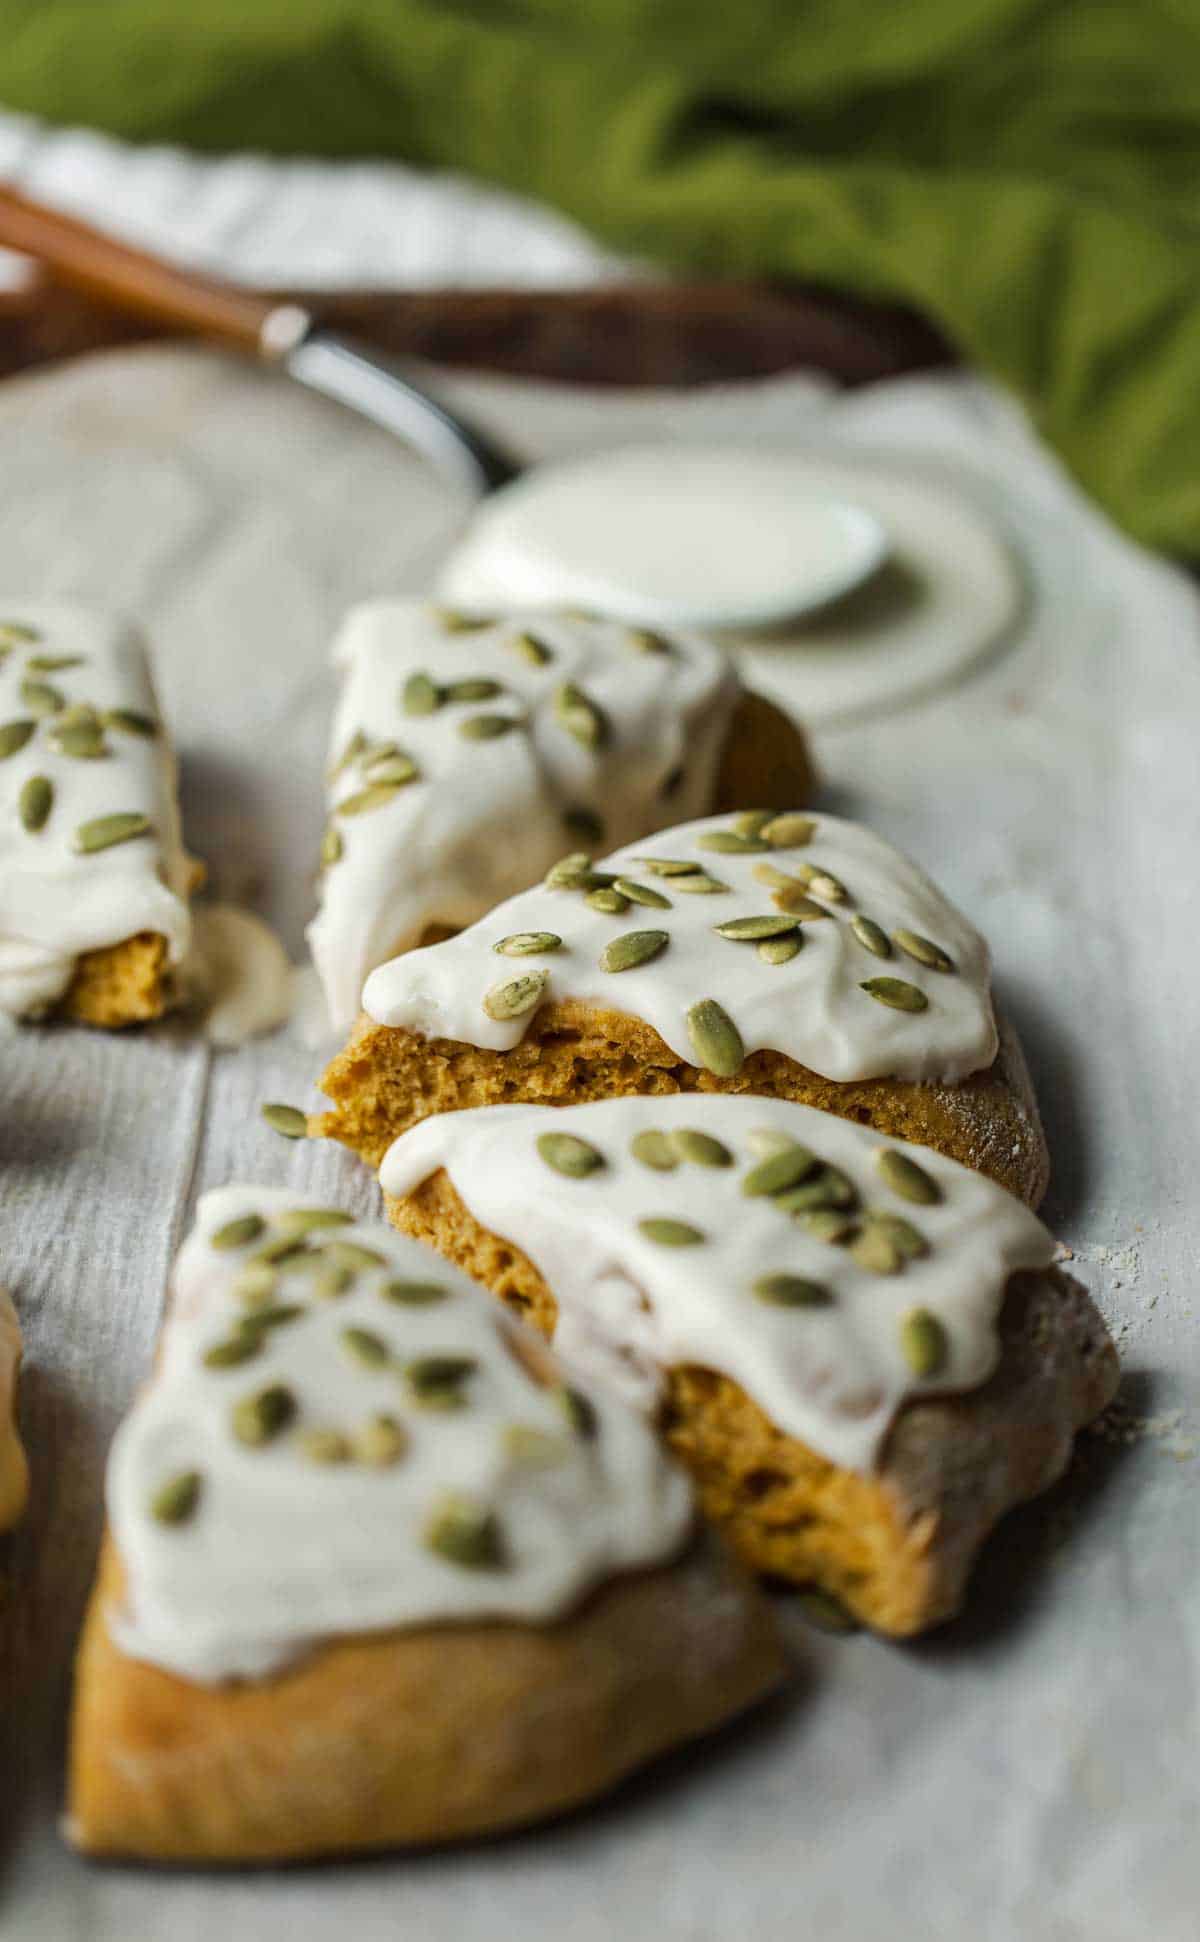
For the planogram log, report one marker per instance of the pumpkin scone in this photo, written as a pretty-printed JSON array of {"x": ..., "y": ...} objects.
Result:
[
  {"x": 94, "y": 879},
  {"x": 14, "y": 1472},
  {"x": 467, "y": 753},
  {"x": 380, "y": 1569},
  {"x": 789, "y": 955},
  {"x": 859, "y": 1348}
]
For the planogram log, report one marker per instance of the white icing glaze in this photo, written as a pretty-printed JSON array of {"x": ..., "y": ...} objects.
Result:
[
  {"x": 630, "y": 1307},
  {"x": 812, "y": 1009},
  {"x": 55, "y": 904},
  {"x": 282, "y": 1551},
  {"x": 486, "y": 817},
  {"x": 14, "y": 1475},
  {"x": 238, "y": 975}
]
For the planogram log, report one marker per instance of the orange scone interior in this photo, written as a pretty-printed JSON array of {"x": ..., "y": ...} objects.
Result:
[{"x": 861, "y": 1385}]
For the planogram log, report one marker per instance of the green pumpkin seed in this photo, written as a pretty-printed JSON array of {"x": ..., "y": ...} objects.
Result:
[
  {"x": 641, "y": 893},
  {"x": 453, "y": 621},
  {"x": 350, "y": 754},
  {"x": 579, "y": 1411},
  {"x": 667, "y": 866},
  {"x": 525, "y": 944},
  {"x": 727, "y": 842},
  {"x": 776, "y": 878},
  {"x": 15, "y": 633},
  {"x": 255, "y": 1287},
  {"x": 397, "y": 770},
  {"x": 310, "y": 1220},
  {"x": 789, "y": 832},
  {"x": 608, "y": 899},
  {"x": 365, "y": 1347},
  {"x": 902, "y": 1234},
  {"x": 779, "y": 1171},
  {"x": 436, "y": 1381},
  {"x": 924, "y": 950},
  {"x": 875, "y": 1251},
  {"x": 700, "y": 1148},
  {"x": 519, "y": 996},
  {"x": 827, "y": 1224},
  {"x": 332, "y": 847},
  {"x": 831, "y": 888},
  {"x": 829, "y": 1188},
  {"x": 752, "y": 822},
  {"x": 871, "y": 936},
  {"x": 906, "y": 1178},
  {"x": 715, "y": 1039},
  {"x": 896, "y": 994},
  {"x": 531, "y": 649},
  {"x": 281, "y": 1248},
  {"x": 326, "y": 1446},
  {"x": 363, "y": 802},
  {"x": 13, "y": 737},
  {"x": 53, "y": 663},
  {"x": 104, "y": 832},
  {"x": 380, "y": 1442},
  {"x": 353, "y": 1255},
  {"x": 795, "y": 900},
  {"x": 479, "y": 688},
  {"x": 749, "y": 930},
  {"x": 233, "y": 1350},
  {"x": 780, "y": 950},
  {"x": 420, "y": 695},
  {"x": 130, "y": 721},
  {"x": 570, "y": 872},
  {"x": 464, "y": 1533},
  {"x": 826, "y": 1612},
  {"x": 533, "y": 1449},
  {"x": 413, "y": 1294},
  {"x": 330, "y": 1282},
  {"x": 176, "y": 1500},
  {"x": 654, "y": 1149},
  {"x": 923, "y": 1342},
  {"x": 486, "y": 728},
  {"x": 287, "y": 1120},
  {"x": 277, "y": 1316},
  {"x": 239, "y": 1232},
  {"x": 579, "y": 716},
  {"x": 41, "y": 698},
  {"x": 567, "y": 1154},
  {"x": 35, "y": 802},
  {"x": 790, "y": 1291},
  {"x": 258, "y": 1418},
  {"x": 83, "y": 741},
  {"x": 698, "y": 884},
  {"x": 632, "y": 948},
  {"x": 584, "y": 824},
  {"x": 765, "y": 1140},
  {"x": 670, "y": 1233},
  {"x": 644, "y": 640}
]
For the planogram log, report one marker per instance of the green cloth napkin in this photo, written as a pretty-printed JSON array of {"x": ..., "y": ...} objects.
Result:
[{"x": 1027, "y": 172}]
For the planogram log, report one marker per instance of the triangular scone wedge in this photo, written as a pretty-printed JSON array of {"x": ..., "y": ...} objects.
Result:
[
  {"x": 797, "y": 957},
  {"x": 861, "y": 1350},
  {"x": 14, "y": 1471},
  {"x": 94, "y": 880},
  {"x": 467, "y": 752},
  {"x": 375, "y": 1574}
]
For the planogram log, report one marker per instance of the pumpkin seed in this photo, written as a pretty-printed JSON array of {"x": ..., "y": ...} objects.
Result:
[
  {"x": 53, "y": 663},
  {"x": 533, "y": 1449},
  {"x": 667, "y": 866},
  {"x": 255, "y": 1286},
  {"x": 42, "y": 698},
  {"x": 749, "y": 930},
  {"x": 570, "y": 872},
  {"x": 896, "y": 994},
  {"x": 280, "y": 1248},
  {"x": 608, "y": 899},
  {"x": 827, "y": 1224},
  {"x": 727, "y": 842},
  {"x": 906, "y": 1178},
  {"x": 331, "y": 847},
  {"x": 376, "y": 795},
  {"x": 531, "y": 649},
  {"x": 478, "y": 688},
  {"x": 13, "y": 736},
  {"x": 924, "y": 950},
  {"x": 752, "y": 822},
  {"x": 330, "y": 1282},
  {"x": 486, "y": 728},
  {"x": 412, "y": 1294},
  {"x": 579, "y": 716},
  {"x": 567, "y": 1154},
  {"x": 791, "y": 1291},
  {"x": 632, "y": 948},
  {"x": 350, "y": 754},
  {"x": 797, "y": 902},
  {"x": 765, "y": 1140},
  {"x": 654, "y": 1149},
  {"x": 380, "y": 1441},
  {"x": 308, "y": 1220},
  {"x": 823, "y": 884},
  {"x": 700, "y": 1148},
  {"x": 175, "y": 1500},
  {"x": 584, "y": 824},
  {"x": 233, "y": 1349},
  {"x": 780, "y": 950},
  {"x": 383, "y": 770},
  {"x": 902, "y": 1234},
  {"x": 325, "y": 1446},
  {"x": 578, "y": 1410},
  {"x": 698, "y": 884},
  {"x": 420, "y": 695},
  {"x": 260, "y": 1417},
  {"x": 519, "y": 996},
  {"x": 826, "y": 1612},
  {"x": 352, "y": 1255},
  {"x": 35, "y": 802},
  {"x": 365, "y": 1347},
  {"x": 276, "y": 1317},
  {"x": 923, "y": 1341},
  {"x": 779, "y": 1171},
  {"x": 436, "y": 1381},
  {"x": 455, "y": 622},
  {"x": 464, "y": 1533},
  {"x": 14, "y": 633},
  {"x": 830, "y": 1188},
  {"x": 641, "y": 893},
  {"x": 790, "y": 831},
  {"x": 670, "y": 1233},
  {"x": 769, "y": 874},
  {"x": 104, "y": 832},
  {"x": 644, "y": 640},
  {"x": 715, "y": 1038},
  {"x": 288, "y": 1120},
  {"x": 83, "y": 741},
  {"x": 875, "y": 1251},
  {"x": 871, "y": 936},
  {"x": 130, "y": 721},
  {"x": 239, "y": 1232},
  {"x": 524, "y": 944}
]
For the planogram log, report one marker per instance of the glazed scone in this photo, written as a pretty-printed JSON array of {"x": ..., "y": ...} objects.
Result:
[
  {"x": 465, "y": 755},
  {"x": 379, "y": 1570},
  {"x": 14, "y": 1472},
  {"x": 859, "y": 1348},
  {"x": 94, "y": 880},
  {"x": 795, "y": 956}
]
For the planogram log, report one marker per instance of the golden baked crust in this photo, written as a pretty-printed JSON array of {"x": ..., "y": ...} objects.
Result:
[
  {"x": 120, "y": 984},
  {"x": 387, "y": 1079},
  {"x": 408, "y": 1737},
  {"x": 765, "y": 761},
  {"x": 895, "y": 1547}
]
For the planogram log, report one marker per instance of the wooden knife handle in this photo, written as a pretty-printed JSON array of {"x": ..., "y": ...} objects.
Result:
[{"x": 127, "y": 279}]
